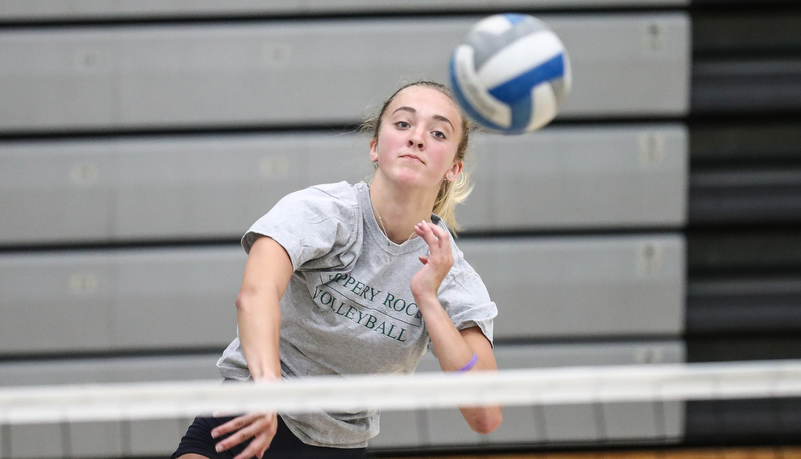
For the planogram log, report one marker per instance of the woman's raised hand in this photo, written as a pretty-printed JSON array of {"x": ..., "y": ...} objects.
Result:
[
  {"x": 425, "y": 283},
  {"x": 261, "y": 427}
]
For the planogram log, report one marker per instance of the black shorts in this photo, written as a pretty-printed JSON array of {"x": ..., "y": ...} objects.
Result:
[{"x": 284, "y": 445}]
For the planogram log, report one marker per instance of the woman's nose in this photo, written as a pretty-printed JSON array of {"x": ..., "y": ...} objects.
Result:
[{"x": 416, "y": 140}]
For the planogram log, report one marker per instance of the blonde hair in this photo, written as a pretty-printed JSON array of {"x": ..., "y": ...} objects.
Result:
[{"x": 450, "y": 193}]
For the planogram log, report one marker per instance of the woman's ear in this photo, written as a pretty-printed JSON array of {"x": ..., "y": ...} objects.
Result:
[
  {"x": 454, "y": 171},
  {"x": 373, "y": 150}
]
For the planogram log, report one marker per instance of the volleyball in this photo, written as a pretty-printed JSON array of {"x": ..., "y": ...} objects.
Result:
[{"x": 511, "y": 74}]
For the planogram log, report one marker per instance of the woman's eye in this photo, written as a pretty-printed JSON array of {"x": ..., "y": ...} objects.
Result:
[
  {"x": 439, "y": 134},
  {"x": 402, "y": 124}
]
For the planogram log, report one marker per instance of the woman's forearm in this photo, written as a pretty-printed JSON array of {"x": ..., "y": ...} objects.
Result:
[
  {"x": 452, "y": 350},
  {"x": 267, "y": 273},
  {"x": 455, "y": 349},
  {"x": 259, "y": 320}
]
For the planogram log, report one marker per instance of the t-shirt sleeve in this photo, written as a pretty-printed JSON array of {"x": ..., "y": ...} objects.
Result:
[
  {"x": 466, "y": 300},
  {"x": 318, "y": 227}
]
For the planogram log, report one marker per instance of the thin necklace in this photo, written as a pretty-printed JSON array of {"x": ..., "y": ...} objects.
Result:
[{"x": 381, "y": 224}]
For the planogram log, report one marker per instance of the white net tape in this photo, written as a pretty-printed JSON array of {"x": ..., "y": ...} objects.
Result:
[{"x": 391, "y": 392}]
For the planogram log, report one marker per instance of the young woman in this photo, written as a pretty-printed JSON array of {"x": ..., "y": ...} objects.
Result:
[{"x": 356, "y": 279}]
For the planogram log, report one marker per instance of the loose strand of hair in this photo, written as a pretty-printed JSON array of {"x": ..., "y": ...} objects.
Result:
[{"x": 450, "y": 194}]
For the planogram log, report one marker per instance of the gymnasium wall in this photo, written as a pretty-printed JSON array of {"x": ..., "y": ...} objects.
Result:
[
  {"x": 743, "y": 252},
  {"x": 139, "y": 140}
]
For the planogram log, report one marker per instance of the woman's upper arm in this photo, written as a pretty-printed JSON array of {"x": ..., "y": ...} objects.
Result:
[
  {"x": 481, "y": 346},
  {"x": 268, "y": 267}
]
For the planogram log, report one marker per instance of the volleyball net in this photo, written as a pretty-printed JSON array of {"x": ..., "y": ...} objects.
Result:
[
  {"x": 642, "y": 383},
  {"x": 68, "y": 407}
]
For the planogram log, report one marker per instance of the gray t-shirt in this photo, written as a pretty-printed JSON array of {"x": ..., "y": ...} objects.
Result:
[{"x": 348, "y": 308}]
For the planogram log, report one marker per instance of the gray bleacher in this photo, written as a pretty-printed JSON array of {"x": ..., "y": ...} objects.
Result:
[
  {"x": 159, "y": 312},
  {"x": 583, "y": 286},
  {"x": 133, "y": 299},
  {"x": 161, "y": 298},
  {"x": 300, "y": 72},
  {"x": 552, "y": 424},
  {"x": 56, "y": 10},
  {"x": 579, "y": 178},
  {"x": 183, "y": 187}
]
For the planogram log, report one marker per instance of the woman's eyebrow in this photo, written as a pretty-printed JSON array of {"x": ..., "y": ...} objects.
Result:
[
  {"x": 442, "y": 118},
  {"x": 405, "y": 108}
]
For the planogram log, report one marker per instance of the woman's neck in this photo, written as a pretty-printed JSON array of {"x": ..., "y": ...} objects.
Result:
[{"x": 399, "y": 210}]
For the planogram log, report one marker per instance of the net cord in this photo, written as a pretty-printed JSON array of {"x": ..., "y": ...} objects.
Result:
[{"x": 576, "y": 385}]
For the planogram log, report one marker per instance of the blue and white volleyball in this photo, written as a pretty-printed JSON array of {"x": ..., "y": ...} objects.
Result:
[{"x": 511, "y": 73}]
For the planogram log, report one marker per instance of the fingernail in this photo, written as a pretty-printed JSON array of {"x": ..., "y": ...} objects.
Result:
[{"x": 219, "y": 447}]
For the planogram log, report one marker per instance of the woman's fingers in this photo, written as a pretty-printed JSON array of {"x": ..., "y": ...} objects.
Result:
[
  {"x": 239, "y": 436},
  {"x": 256, "y": 448},
  {"x": 436, "y": 264},
  {"x": 260, "y": 426},
  {"x": 232, "y": 425},
  {"x": 262, "y": 439},
  {"x": 425, "y": 232},
  {"x": 439, "y": 244},
  {"x": 436, "y": 237},
  {"x": 441, "y": 234}
]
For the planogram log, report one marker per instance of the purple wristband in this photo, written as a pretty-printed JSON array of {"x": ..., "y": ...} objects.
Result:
[{"x": 467, "y": 366}]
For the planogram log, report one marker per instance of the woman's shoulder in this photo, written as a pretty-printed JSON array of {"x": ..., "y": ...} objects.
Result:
[
  {"x": 341, "y": 189},
  {"x": 339, "y": 193},
  {"x": 313, "y": 224},
  {"x": 329, "y": 198}
]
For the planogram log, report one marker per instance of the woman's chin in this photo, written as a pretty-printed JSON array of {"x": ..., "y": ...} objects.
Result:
[
  {"x": 414, "y": 181},
  {"x": 411, "y": 176}
]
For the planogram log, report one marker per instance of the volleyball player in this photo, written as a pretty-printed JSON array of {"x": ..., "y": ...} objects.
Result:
[{"x": 354, "y": 279}]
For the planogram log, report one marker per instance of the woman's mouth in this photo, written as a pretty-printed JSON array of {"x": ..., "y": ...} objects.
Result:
[{"x": 412, "y": 157}]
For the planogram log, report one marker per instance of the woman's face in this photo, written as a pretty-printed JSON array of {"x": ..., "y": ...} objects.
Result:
[{"x": 418, "y": 138}]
